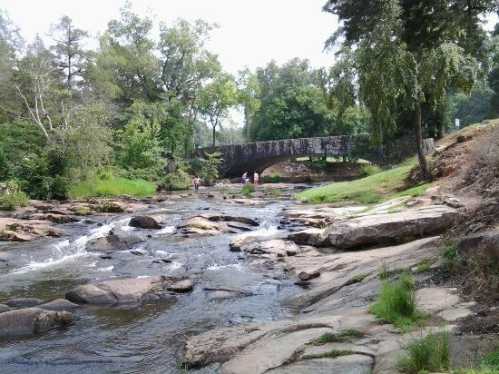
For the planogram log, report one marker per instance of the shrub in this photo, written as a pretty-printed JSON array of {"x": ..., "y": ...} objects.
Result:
[
  {"x": 11, "y": 201},
  {"x": 430, "y": 353},
  {"x": 177, "y": 181},
  {"x": 11, "y": 196},
  {"x": 209, "y": 172},
  {"x": 491, "y": 361},
  {"x": 450, "y": 257},
  {"x": 274, "y": 178},
  {"x": 396, "y": 303},
  {"x": 248, "y": 190}
]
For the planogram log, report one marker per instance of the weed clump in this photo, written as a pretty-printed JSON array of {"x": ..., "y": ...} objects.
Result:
[
  {"x": 340, "y": 337},
  {"x": 428, "y": 354},
  {"x": 396, "y": 303}
]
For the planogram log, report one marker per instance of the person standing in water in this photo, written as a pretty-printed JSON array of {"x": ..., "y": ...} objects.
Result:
[
  {"x": 196, "y": 181},
  {"x": 256, "y": 178}
]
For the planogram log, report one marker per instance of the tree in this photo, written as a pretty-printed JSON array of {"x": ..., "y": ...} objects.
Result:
[
  {"x": 215, "y": 100},
  {"x": 289, "y": 103},
  {"x": 10, "y": 41},
  {"x": 419, "y": 49},
  {"x": 126, "y": 67},
  {"x": 37, "y": 85},
  {"x": 68, "y": 49}
]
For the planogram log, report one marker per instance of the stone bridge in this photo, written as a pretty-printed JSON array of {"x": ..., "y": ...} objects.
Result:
[{"x": 250, "y": 157}]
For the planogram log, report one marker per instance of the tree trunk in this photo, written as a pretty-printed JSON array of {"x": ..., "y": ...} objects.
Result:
[
  {"x": 214, "y": 133},
  {"x": 423, "y": 164}
]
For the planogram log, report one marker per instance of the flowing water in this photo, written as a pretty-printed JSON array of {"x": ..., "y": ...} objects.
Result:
[{"x": 146, "y": 339}]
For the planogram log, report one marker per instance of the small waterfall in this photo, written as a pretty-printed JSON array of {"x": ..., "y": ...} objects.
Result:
[{"x": 65, "y": 250}]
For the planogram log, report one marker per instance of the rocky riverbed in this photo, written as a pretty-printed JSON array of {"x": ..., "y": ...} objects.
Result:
[{"x": 217, "y": 283}]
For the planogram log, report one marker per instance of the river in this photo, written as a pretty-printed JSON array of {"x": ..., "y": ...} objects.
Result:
[{"x": 147, "y": 339}]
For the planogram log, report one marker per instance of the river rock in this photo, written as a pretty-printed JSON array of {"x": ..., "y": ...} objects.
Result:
[
  {"x": 4, "y": 308},
  {"x": 308, "y": 275},
  {"x": 216, "y": 224},
  {"x": 116, "y": 240},
  {"x": 145, "y": 222},
  {"x": 31, "y": 321},
  {"x": 128, "y": 290},
  {"x": 58, "y": 305},
  {"x": 274, "y": 247},
  {"x": 20, "y": 230},
  {"x": 348, "y": 364},
  {"x": 24, "y": 302}
]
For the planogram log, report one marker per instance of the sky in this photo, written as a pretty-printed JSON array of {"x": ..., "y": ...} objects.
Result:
[{"x": 250, "y": 33}]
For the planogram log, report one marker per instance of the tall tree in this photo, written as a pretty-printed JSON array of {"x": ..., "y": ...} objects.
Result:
[
  {"x": 215, "y": 100},
  {"x": 68, "y": 49},
  {"x": 419, "y": 49}
]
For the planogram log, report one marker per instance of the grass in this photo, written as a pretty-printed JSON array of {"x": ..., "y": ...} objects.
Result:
[
  {"x": 111, "y": 187},
  {"x": 424, "y": 266},
  {"x": 491, "y": 361},
  {"x": 369, "y": 190},
  {"x": 342, "y": 336},
  {"x": 428, "y": 354},
  {"x": 396, "y": 303}
]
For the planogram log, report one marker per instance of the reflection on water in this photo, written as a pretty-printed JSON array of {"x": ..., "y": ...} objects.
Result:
[{"x": 146, "y": 339}]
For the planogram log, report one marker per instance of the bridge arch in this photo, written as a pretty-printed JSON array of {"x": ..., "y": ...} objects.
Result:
[{"x": 257, "y": 156}]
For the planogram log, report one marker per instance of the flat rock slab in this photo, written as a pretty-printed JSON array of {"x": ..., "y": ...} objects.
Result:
[
  {"x": 129, "y": 290},
  {"x": 24, "y": 302},
  {"x": 31, "y": 321},
  {"x": 436, "y": 299},
  {"x": 349, "y": 364}
]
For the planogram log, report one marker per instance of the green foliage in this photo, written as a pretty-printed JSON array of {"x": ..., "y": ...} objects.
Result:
[
  {"x": 177, "y": 181},
  {"x": 110, "y": 187},
  {"x": 334, "y": 353},
  {"x": 430, "y": 353},
  {"x": 450, "y": 257},
  {"x": 369, "y": 190},
  {"x": 396, "y": 303},
  {"x": 274, "y": 178},
  {"x": 12, "y": 197},
  {"x": 491, "y": 361},
  {"x": 209, "y": 168},
  {"x": 248, "y": 190}
]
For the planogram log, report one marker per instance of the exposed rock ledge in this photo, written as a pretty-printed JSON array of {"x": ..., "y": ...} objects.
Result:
[{"x": 380, "y": 229}]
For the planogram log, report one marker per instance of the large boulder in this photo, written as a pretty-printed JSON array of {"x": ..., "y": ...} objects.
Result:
[
  {"x": 145, "y": 222},
  {"x": 485, "y": 245},
  {"x": 31, "y": 321},
  {"x": 130, "y": 291},
  {"x": 381, "y": 229}
]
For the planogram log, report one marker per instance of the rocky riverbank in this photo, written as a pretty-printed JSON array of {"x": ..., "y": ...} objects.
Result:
[{"x": 339, "y": 263}]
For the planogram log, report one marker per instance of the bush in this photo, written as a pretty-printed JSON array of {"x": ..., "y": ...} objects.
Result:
[
  {"x": 177, "y": 181},
  {"x": 12, "y": 197},
  {"x": 274, "y": 178},
  {"x": 430, "y": 353},
  {"x": 248, "y": 190},
  {"x": 396, "y": 303},
  {"x": 491, "y": 361}
]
